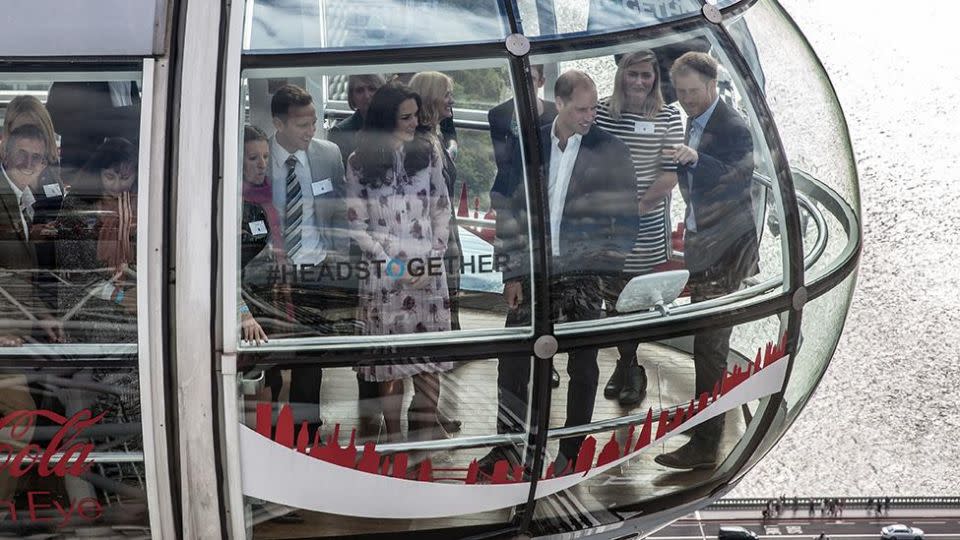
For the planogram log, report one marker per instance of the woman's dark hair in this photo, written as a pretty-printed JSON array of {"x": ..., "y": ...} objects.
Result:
[
  {"x": 253, "y": 133},
  {"x": 374, "y": 155},
  {"x": 111, "y": 153}
]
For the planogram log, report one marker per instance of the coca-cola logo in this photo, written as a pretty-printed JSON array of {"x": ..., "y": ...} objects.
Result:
[{"x": 64, "y": 455}]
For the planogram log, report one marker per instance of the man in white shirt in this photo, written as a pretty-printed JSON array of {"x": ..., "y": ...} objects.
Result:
[
  {"x": 307, "y": 178},
  {"x": 592, "y": 219},
  {"x": 24, "y": 161}
]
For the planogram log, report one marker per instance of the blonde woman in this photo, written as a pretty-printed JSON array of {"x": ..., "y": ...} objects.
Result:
[
  {"x": 636, "y": 114},
  {"x": 28, "y": 110}
]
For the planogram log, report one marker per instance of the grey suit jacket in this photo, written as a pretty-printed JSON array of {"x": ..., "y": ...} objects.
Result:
[{"x": 329, "y": 209}]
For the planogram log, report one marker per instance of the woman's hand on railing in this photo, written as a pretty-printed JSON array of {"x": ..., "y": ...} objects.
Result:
[{"x": 251, "y": 330}]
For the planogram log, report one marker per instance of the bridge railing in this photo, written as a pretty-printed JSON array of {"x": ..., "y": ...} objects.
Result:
[{"x": 848, "y": 502}]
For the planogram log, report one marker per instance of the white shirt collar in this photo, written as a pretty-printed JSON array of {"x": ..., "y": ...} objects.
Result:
[
  {"x": 704, "y": 117},
  {"x": 16, "y": 190},
  {"x": 575, "y": 138},
  {"x": 282, "y": 154}
]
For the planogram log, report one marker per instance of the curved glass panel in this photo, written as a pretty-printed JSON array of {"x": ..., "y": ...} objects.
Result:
[
  {"x": 664, "y": 207},
  {"x": 667, "y": 388},
  {"x": 821, "y": 329},
  {"x": 274, "y": 25},
  {"x": 72, "y": 451},
  {"x": 544, "y": 19},
  {"x": 807, "y": 113},
  {"x": 383, "y": 449},
  {"x": 330, "y": 251}
]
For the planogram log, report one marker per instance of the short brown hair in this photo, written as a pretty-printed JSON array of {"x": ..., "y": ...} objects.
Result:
[
  {"x": 31, "y": 111},
  {"x": 287, "y": 96},
  {"x": 253, "y": 133},
  {"x": 356, "y": 80},
  {"x": 570, "y": 81},
  {"x": 695, "y": 62}
]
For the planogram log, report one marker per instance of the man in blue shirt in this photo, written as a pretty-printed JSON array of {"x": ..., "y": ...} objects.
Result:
[{"x": 720, "y": 244}]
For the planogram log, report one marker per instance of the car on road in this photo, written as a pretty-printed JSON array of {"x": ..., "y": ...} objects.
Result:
[
  {"x": 899, "y": 531},
  {"x": 734, "y": 532}
]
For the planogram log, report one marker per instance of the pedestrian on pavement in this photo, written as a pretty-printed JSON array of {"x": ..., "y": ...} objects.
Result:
[
  {"x": 810, "y": 509},
  {"x": 886, "y": 505}
]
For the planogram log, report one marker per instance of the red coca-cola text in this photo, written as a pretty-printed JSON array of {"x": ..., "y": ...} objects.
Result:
[{"x": 64, "y": 455}]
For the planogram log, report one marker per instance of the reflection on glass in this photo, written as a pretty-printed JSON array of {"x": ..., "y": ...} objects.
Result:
[
  {"x": 704, "y": 185},
  {"x": 350, "y": 243},
  {"x": 357, "y": 427},
  {"x": 810, "y": 122},
  {"x": 693, "y": 417},
  {"x": 72, "y": 452},
  {"x": 69, "y": 169},
  {"x": 360, "y": 24},
  {"x": 547, "y": 18}
]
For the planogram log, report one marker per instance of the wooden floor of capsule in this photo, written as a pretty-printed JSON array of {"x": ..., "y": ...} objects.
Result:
[{"x": 469, "y": 394}]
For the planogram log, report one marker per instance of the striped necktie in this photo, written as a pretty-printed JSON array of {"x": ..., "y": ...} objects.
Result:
[{"x": 293, "y": 217}]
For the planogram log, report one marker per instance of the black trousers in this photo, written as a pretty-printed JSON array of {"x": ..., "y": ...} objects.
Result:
[
  {"x": 319, "y": 309},
  {"x": 712, "y": 347},
  {"x": 576, "y": 298}
]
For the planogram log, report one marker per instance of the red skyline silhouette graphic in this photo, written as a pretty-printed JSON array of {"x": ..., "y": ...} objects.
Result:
[{"x": 397, "y": 465}]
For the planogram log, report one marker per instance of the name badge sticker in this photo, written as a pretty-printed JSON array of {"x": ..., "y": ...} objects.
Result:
[
  {"x": 322, "y": 186},
  {"x": 52, "y": 190},
  {"x": 257, "y": 227},
  {"x": 643, "y": 128}
]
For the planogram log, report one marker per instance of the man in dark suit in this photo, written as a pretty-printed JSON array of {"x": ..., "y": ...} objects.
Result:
[
  {"x": 592, "y": 220},
  {"x": 24, "y": 161},
  {"x": 85, "y": 113},
  {"x": 309, "y": 192},
  {"x": 505, "y": 135},
  {"x": 721, "y": 246},
  {"x": 360, "y": 90}
]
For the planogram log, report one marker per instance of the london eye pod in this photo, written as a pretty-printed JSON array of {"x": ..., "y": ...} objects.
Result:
[{"x": 494, "y": 341}]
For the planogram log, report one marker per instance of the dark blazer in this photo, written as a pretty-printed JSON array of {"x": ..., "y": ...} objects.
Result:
[
  {"x": 600, "y": 214},
  {"x": 83, "y": 114},
  {"x": 506, "y": 147},
  {"x": 726, "y": 237},
  {"x": 17, "y": 254},
  {"x": 344, "y": 135}
]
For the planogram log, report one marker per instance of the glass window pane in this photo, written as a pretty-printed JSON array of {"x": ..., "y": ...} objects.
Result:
[
  {"x": 70, "y": 185},
  {"x": 547, "y": 18},
  {"x": 51, "y": 415},
  {"x": 363, "y": 24},
  {"x": 672, "y": 196},
  {"x": 407, "y": 432},
  {"x": 823, "y": 320},
  {"x": 703, "y": 387},
  {"x": 342, "y": 242},
  {"x": 811, "y": 126}
]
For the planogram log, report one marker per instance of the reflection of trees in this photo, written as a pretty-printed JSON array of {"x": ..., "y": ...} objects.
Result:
[
  {"x": 475, "y": 167},
  {"x": 480, "y": 88}
]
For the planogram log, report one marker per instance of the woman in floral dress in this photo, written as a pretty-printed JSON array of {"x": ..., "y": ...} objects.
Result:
[{"x": 399, "y": 212}]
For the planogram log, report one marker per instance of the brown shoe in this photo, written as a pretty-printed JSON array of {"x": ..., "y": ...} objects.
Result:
[{"x": 695, "y": 454}]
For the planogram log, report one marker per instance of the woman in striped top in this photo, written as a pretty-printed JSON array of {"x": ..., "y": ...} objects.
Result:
[{"x": 636, "y": 113}]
